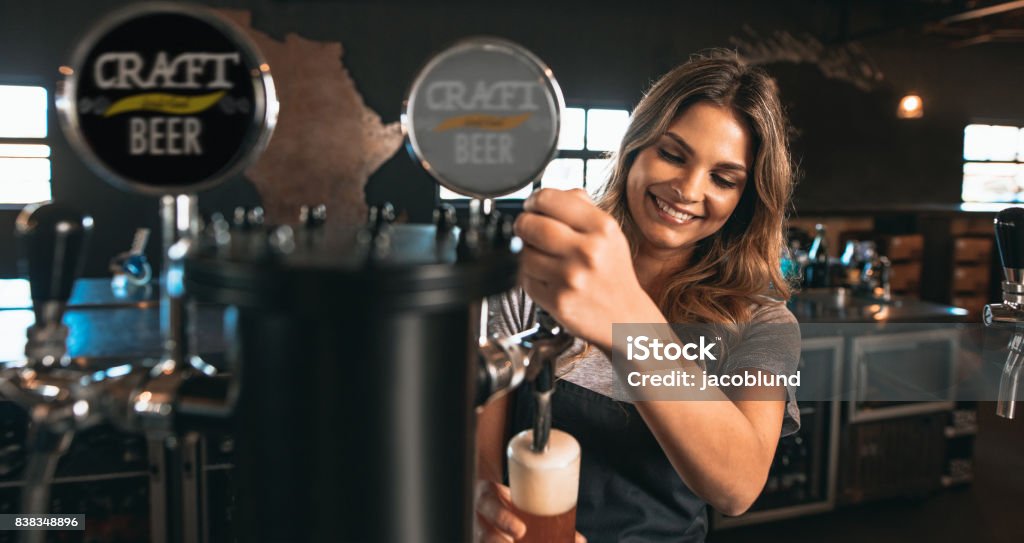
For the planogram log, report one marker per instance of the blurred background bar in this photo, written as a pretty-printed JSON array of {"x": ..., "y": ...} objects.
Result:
[{"x": 907, "y": 127}]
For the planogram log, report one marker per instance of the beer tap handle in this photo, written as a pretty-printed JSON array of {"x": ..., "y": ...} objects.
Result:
[
  {"x": 313, "y": 216},
  {"x": 445, "y": 219},
  {"x": 53, "y": 239},
  {"x": 1009, "y": 228},
  {"x": 379, "y": 217},
  {"x": 1009, "y": 231}
]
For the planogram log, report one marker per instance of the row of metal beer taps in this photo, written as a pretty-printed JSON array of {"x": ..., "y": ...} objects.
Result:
[{"x": 148, "y": 396}]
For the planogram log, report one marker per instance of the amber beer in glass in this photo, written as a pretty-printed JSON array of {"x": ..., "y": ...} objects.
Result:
[{"x": 544, "y": 486}]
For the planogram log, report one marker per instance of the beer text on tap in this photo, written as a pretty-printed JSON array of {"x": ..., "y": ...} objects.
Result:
[
  {"x": 123, "y": 70},
  {"x": 174, "y": 134},
  {"x": 483, "y": 148}
]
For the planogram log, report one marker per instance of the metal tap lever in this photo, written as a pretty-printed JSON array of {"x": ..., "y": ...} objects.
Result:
[
  {"x": 530, "y": 355},
  {"x": 1009, "y": 230},
  {"x": 52, "y": 240},
  {"x": 549, "y": 343},
  {"x": 505, "y": 362}
]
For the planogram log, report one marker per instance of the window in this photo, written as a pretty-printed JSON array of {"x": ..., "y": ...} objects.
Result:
[
  {"x": 993, "y": 163},
  {"x": 24, "y": 154},
  {"x": 586, "y": 138}
]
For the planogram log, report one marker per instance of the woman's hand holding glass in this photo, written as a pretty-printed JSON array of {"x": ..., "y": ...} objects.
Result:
[
  {"x": 495, "y": 519},
  {"x": 496, "y": 522}
]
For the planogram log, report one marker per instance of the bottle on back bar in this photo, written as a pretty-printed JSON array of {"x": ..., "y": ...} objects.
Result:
[{"x": 817, "y": 273}]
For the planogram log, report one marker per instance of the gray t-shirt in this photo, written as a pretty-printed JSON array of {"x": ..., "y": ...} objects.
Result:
[{"x": 779, "y": 354}]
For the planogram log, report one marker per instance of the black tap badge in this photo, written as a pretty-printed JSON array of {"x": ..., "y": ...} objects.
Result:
[
  {"x": 166, "y": 99},
  {"x": 483, "y": 117}
]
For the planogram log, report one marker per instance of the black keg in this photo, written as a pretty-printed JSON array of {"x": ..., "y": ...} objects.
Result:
[{"x": 357, "y": 355}]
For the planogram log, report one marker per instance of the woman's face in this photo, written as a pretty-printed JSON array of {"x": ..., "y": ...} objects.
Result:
[{"x": 685, "y": 186}]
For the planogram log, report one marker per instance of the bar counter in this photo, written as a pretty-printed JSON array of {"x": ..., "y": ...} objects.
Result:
[{"x": 837, "y": 305}]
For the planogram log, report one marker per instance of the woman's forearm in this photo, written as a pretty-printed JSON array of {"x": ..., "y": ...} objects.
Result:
[
  {"x": 715, "y": 448},
  {"x": 721, "y": 446}
]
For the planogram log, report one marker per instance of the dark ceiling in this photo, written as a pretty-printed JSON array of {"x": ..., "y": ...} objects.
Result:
[{"x": 959, "y": 23}]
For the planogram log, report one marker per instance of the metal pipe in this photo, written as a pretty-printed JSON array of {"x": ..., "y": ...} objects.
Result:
[
  {"x": 156, "y": 402},
  {"x": 1008, "y": 382},
  {"x": 179, "y": 221},
  {"x": 543, "y": 388},
  {"x": 46, "y": 445}
]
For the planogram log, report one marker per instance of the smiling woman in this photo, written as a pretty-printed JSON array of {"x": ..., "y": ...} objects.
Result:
[
  {"x": 703, "y": 133},
  {"x": 673, "y": 184},
  {"x": 688, "y": 230}
]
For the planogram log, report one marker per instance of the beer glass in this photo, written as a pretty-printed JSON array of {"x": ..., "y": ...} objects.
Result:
[{"x": 544, "y": 486}]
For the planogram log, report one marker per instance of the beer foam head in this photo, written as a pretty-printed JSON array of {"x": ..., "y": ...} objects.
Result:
[{"x": 544, "y": 483}]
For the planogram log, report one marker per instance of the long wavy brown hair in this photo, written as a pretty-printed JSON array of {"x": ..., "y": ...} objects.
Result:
[{"x": 732, "y": 269}]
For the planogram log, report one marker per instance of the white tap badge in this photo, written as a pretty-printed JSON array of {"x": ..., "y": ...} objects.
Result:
[
  {"x": 483, "y": 117},
  {"x": 167, "y": 98}
]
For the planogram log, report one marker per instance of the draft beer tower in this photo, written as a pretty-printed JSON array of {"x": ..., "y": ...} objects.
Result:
[
  {"x": 1009, "y": 229},
  {"x": 364, "y": 350},
  {"x": 361, "y": 354},
  {"x": 163, "y": 99}
]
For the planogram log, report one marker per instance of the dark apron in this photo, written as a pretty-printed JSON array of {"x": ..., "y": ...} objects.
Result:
[{"x": 629, "y": 492}]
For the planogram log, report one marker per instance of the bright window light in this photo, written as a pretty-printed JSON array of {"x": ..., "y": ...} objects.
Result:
[
  {"x": 985, "y": 207},
  {"x": 1000, "y": 178},
  {"x": 24, "y": 180},
  {"x": 598, "y": 171},
  {"x": 605, "y": 128},
  {"x": 570, "y": 136},
  {"x": 22, "y": 112},
  {"x": 520, "y": 194},
  {"x": 1000, "y": 182},
  {"x": 12, "y": 333},
  {"x": 15, "y": 294},
  {"x": 12, "y": 150},
  {"x": 564, "y": 174},
  {"x": 24, "y": 167},
  {"x": 990, "y": 142},
  {"x": 447, "y": 194}
]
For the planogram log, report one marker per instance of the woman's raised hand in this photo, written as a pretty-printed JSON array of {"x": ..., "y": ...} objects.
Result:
[{"x": 576, "y": 263}]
